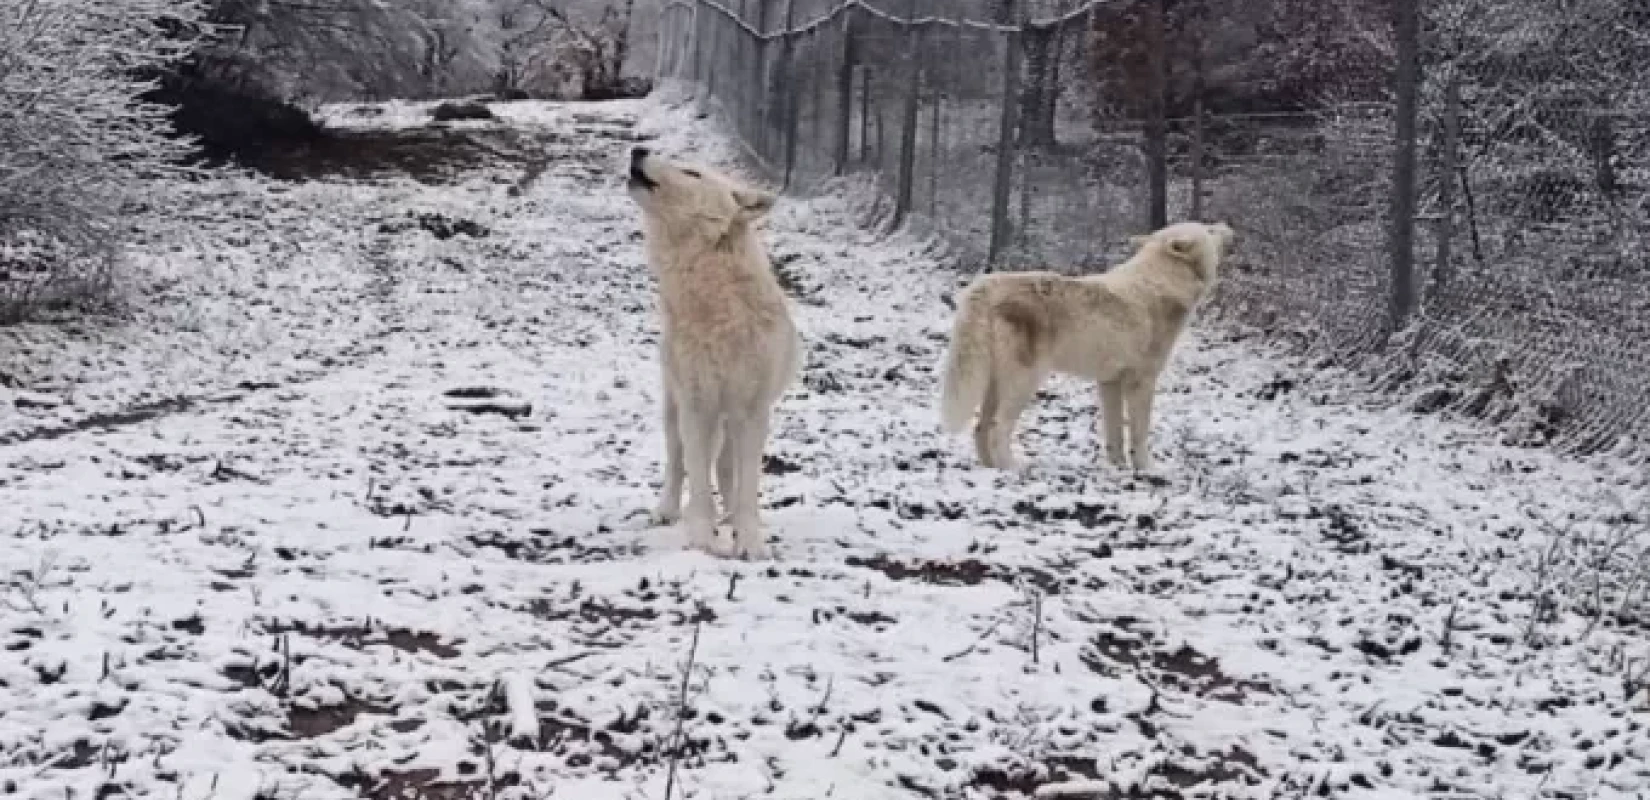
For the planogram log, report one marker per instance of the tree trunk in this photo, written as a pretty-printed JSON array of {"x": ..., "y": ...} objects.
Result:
[
  {"x": 1401, "y": 244},
  {"x": 1157, "y": 126},
  {"x": 1037, "y": 103}
]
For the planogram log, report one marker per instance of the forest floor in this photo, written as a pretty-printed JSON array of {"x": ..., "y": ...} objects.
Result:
[{"x": 368, "y": 460}]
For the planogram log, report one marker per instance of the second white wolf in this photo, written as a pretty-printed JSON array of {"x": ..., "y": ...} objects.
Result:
[
  {"x": 728, "y": 346},
  {"x": 1117, "y": 329}
]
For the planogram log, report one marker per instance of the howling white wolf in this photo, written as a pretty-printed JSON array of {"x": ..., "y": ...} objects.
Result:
[
  {"x": 728, "y": 347},
  {"x": 1118, "y": 329}
]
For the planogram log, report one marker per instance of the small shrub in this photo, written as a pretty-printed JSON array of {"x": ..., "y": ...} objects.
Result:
[{"x": 79, "y": 148}]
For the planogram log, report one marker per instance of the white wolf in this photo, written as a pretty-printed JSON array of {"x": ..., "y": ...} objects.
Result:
[
  {"x": 1118, "y": 329},
  {"x": 728, "y": 347}
]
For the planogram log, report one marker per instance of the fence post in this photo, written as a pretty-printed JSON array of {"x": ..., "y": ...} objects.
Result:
[
  {"x": 698, "y": 45},
  {"x": 816, "y": 36},
  {"x": 713, "y": 57},
  {"x": 659, "y": 40},
  {"x": 908, "y": 128},
  {"x": 1157, "y": 124},
  {"x": 1450, "y": 158},
  {"x": 1197, "y": 125},
  {"x": 1407, "y": 30},
  {"x": 845, "y": 93},
  {"x": 792, "y": 100},
  {"x": 1005, "y": 139},
  {"x": 761, "y": 111},
  {"x": 864, "y": 113},
  {"x": 739, "y": 81}
]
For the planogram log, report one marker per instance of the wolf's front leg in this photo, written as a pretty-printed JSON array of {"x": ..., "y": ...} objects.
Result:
[
  {"x": 701, "y": 439},
  {"x": 746, "y": 438},
  {"x": 1139, "y": 395},
  {"x": 670, "y": 496}
]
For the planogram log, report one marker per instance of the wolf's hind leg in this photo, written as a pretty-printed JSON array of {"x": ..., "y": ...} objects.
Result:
[
  {"x": 1016, "y": 387},
  {"x": 1111, "y": 422},
  {"x": 984, "y": 426}
]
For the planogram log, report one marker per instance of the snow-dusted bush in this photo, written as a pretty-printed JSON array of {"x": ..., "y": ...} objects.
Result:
[{"x": 77, "y": 145}]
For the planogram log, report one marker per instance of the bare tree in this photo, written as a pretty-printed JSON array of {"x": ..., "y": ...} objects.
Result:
[
  {"x": 77, "y": 142},
  {"x": 548, "y": 46}
]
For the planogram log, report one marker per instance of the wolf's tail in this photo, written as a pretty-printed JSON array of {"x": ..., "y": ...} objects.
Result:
[{"x": 967, "y": 362}]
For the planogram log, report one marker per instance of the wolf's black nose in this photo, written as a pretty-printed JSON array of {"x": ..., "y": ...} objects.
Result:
[{"x": 637, "y": 154}]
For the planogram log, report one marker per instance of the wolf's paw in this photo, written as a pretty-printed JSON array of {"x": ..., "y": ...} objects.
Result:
[
  {"x": 701, "y": 535},
  {"x": 751, "y": 547},
  {"x": 664, "y": 517}
]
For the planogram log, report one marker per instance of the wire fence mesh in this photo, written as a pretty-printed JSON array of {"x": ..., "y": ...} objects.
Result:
[{"x": 1468, "y": 231}]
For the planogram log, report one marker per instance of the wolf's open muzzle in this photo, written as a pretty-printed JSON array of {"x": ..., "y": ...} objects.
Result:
[{"x": 638, "y": 175}]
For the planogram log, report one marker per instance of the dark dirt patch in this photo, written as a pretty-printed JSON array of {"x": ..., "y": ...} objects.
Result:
[
  {"x": 545, "y": 547},
  {"x": 603, "y": 610},
  {"x": 135, "y": 415},
  {"x": 453, "y": 111},
  {"x": 430, "y": 155},
  {"x": 967, "y": 572},
  {"x": 778, "y": 465},
  {"x": 487, "y": 400},
  {"x": 1182, "y": 668},
  {"x": 790, "y": 280},
  {"x": 440, "y": 226},
  {"x": 360, "y": 636},
  {"x": 510, "y": 410},
  {"x": 422, "y": 784},
  {"x": 310, "y": 723},
  {"x": 1177, "y": 776},
  {"x": 1088, "y": 515},
  {"x": 193, "y": 625}
]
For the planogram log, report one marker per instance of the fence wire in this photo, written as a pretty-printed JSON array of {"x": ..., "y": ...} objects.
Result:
[{"x": 1040, "y": 133}]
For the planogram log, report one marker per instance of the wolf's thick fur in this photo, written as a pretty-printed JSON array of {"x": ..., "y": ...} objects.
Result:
[
  {"x": 729, "y": 348},
  {"x": 1117, "y": 329}
]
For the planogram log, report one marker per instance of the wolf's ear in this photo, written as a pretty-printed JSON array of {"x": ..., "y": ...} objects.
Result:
[
  {"x": 1183, "y": 245},
  {"x": 753, "y": 204}
]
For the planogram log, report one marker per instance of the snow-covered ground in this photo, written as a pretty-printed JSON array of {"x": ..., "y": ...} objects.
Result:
[{"x": 368, "y": 464}]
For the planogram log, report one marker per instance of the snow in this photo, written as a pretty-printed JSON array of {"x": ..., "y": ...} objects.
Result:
[{"x": 302, "y": 566}]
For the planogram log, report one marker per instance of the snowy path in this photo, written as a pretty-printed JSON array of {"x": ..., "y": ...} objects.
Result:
[{"x": 311, "y": 589}]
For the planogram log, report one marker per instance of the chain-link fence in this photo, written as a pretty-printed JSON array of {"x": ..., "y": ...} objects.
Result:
[{"x": 1445, "y": 195}]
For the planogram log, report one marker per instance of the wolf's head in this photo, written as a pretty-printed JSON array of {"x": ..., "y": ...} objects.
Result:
[
  {"x": 1199, "y": 245},
  {"x": 691, "y": 203}
]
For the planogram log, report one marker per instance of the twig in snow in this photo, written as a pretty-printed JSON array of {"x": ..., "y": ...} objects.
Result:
[
  {"x": 733, "y": 583},
  {"x": 1540, "y": 599},
  {"x": 1036, "y": 624},
  {"x": 681, "y": 712},
  {"x": 841, "y": 738},
  {"x": 282, "y": 682},
  {"x": 969, "y": 649},
  {"x": 1636, "y": 682},
  {"x": 565, "y": 660},
  {"x": 1448, "y": 641},
  {"x": 488, "y": 739},
  {"x": 29, "y": 583}
]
